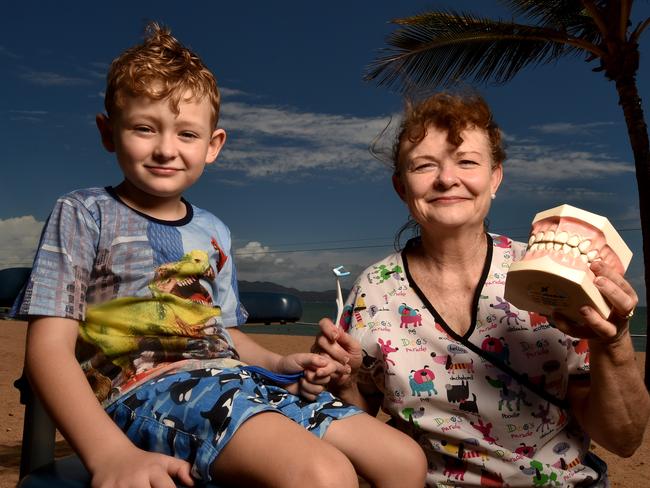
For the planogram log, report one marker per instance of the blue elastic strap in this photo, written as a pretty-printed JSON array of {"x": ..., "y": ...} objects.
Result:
[{"x": 280, "y": 379}]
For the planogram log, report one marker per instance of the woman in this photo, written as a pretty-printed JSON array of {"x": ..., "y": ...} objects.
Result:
[{"x": 493, "y": 402}]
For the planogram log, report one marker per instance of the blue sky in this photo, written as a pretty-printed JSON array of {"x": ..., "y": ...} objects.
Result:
[{"x": 296, "y": 182}]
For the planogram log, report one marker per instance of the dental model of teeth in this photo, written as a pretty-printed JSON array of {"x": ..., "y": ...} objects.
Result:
[{"x": 554, "y": 274}]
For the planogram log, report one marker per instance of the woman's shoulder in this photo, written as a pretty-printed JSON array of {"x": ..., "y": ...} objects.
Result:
[{"x": 506, "y": 243}]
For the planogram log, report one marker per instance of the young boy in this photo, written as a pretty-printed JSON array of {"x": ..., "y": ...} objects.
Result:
[{"x": 133, "y": 307}]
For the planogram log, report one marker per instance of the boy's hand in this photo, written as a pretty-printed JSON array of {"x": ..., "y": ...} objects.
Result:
[
  {"x": 318, "y": 371},
  {"x": 141, "y": 469}
]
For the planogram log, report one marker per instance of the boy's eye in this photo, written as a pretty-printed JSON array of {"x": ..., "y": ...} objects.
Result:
[
  {"x": 143, "y": 129},
  {"x": 188, "y": 135}
]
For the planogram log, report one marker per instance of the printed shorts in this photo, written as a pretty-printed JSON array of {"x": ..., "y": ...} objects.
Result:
[{"x": 193, "y": 414}]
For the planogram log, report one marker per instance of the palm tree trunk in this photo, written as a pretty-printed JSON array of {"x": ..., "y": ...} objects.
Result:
[{"x": 637, "y": 131}]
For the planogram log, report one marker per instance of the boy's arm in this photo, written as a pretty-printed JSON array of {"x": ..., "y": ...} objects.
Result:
[
  {"x": 321, "y": 368},
  {"x": 251, "y": 352},
  {"x": 59, "y": 381}
]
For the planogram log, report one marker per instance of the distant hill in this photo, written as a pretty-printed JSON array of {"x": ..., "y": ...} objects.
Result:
[{"x": 305, "y": 296}]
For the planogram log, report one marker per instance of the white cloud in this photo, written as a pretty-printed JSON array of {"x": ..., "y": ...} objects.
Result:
[
  {"x": 304, "y": 270},
  {"x": 570, "y": 128},
  {"x": 18, "y": 241},
  {"x": 6, "y": 52},
  {"x": 538, "y": 162},
  {"x": 272, "y": 141},
  {"x": 231, "y": 92},
  {"x": 47, "y": 78}
]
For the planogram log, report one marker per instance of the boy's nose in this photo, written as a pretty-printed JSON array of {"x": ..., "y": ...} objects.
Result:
[{"x": 165, "y": 148}]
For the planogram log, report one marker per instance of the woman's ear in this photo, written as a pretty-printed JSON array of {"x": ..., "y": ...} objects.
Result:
[
  {"x": 399, "y": 186},
  {"x": 217, "y": 141},
  {"x": 496, "y": 177},
  {"x": 105, "y": 131}
]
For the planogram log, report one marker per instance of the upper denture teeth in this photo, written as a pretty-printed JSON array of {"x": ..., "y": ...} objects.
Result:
[
  {"x": 539, "y": 236},
  {"x": 584, "y": 245},
  {"x": 562, "y": 237},
  {"x": 574, "y": 240},
  {"x": 549, "y": 236},
  {"x": 531, "y": 240},
  {"x": 591, "y": 255}
]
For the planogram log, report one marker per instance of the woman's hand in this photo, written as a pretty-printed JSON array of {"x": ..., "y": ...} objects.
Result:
[
  {"x": 342, "y": 348},
  {"x": 318, "y": 372},
  {"x": 623, "y": 300}
]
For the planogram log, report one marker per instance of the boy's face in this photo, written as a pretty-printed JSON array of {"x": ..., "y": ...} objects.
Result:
[{"x": 161, "y": 153}]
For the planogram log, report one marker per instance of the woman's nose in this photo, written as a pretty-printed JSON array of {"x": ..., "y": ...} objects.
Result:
[{"x": 446, "y": 175}]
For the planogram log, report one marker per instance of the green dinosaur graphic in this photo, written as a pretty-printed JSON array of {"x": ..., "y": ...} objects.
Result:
[{"x": 178, "y": 306}]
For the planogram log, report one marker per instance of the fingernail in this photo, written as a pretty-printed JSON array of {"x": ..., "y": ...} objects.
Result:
[{"x": 599, "y": 281}]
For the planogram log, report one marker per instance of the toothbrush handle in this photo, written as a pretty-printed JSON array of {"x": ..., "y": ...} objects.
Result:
[{"x": 339, "y": 303}]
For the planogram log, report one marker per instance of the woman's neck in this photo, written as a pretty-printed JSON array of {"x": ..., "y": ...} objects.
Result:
[{"x": 460, "y": 250}]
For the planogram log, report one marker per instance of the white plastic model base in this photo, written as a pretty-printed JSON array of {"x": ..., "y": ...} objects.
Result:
[{"x": 554, "y": 274}]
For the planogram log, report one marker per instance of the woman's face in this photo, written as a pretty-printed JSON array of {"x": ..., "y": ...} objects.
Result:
[{"x": 448, "y": 187}]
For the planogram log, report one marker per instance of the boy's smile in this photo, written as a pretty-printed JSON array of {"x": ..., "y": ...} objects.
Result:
[{"x": 161, "y": 153}]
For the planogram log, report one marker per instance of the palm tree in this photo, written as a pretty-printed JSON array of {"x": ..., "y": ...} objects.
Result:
[{"x": 443, "y": 47}]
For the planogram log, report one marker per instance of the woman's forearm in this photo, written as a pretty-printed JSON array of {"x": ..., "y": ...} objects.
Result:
[{"x": 616, "y": 408}]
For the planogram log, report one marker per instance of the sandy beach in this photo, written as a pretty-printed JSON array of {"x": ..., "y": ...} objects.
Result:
[{"x": 633, "y": 472}]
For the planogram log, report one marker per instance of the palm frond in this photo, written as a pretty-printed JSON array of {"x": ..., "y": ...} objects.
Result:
[
  {"x": 441, "y": 48},
  {"x": 548, "y": 12}
]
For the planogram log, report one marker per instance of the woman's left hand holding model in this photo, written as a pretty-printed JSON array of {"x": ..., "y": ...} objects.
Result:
[{"x": 614, "y": 408}]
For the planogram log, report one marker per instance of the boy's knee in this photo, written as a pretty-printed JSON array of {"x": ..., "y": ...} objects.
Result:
[
  {"x": 405, "y": 462},
  {"x": 329, "y": 469}
]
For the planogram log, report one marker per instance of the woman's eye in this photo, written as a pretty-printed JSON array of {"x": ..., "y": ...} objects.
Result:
[
  {"x": 420, "y": 167},
  {"x": 467, "y": 162}
]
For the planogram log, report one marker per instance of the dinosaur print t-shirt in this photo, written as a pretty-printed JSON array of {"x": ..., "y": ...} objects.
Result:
[
  {"x": 150, "y": 296},
  {"x": 465, "y": 398}
]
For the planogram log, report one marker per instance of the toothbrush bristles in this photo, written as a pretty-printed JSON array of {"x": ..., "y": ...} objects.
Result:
[{"x": 340, "y": 271}]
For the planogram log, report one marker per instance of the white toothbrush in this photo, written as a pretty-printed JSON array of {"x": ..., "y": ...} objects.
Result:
[{"x": 339, "y": 271}]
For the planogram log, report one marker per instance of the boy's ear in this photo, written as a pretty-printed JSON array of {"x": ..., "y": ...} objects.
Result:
[
  {"x": 105, "y": 131},
  {"x": 217, "y": 141}
]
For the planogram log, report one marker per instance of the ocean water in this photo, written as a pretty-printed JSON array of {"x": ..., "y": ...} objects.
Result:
[{"x": 312, "y": 312}]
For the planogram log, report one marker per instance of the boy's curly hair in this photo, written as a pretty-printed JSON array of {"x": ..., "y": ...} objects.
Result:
[
  {"x": 452, "y": 113},
  {"x": 160, "y": 68}
]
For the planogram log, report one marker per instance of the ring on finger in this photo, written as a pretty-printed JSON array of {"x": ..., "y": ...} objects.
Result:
[{"x": 626, "y": 316}]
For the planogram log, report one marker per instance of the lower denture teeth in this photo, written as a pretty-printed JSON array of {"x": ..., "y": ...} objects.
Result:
[
  {"x": 557, "y": 246},
  {"x": 584, "y": 258},
  {"x": 566, "y": 249}
]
